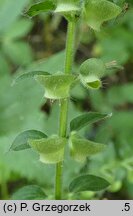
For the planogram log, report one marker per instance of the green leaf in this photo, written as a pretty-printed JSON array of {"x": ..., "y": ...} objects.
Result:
[
  {"x": 41, "y": 7},
  {"x": 18, "y": 29},
  {"x": 56, "y": 86},
  {"x": 123, "y": 96},
  {"x": 88, "y": 183},
  {"x": 51, "y": 150},
  {"x": 96, "y": 12},
  {"x": 85, "y": 119},
  {"x": 52, "y": 64},
  {"x": 4, "y": 66},
  {"x": 81, "y": 148},
  {"x": 90, "y": 73},
  {"x": 21, "y": 141},
  {"x": 28, "y": 75},
  {"x": 9, "y": 11},
  {"x": 78, "y": 92},
  {"x": 16, "y": 106},
  {"x": 118, "y": 45},
  {"x": 30, "y": 192},
  {"x": 19, "y": 52}
]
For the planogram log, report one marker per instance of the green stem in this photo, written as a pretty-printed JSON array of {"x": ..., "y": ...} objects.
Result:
[{"x": 70, "y": 44}]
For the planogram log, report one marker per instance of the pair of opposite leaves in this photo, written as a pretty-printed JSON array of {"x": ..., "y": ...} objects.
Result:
[
  {"x": 93, "y": 12},
  {"x": 51, "y": 149},
  {"x": 57, "y": 86}
]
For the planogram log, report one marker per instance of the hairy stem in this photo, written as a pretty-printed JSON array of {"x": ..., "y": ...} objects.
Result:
[
  {"x": 70, "y": 45},
  {"x": 64, "y": 103}
]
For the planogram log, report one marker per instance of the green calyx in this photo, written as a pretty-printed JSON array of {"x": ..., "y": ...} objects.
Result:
[
  {"x": 96, "y": 12},
  {"x": 90, "y": 73},
  {"x": 56, "y": 86},
  {"x": 91, "y": 82},
  {"x": 66, "y": 6},
  {"x": 51, "y": 150},
  {"x": 81, "y": 148},
  {"x": 92, "y": 67},
  {"x": 70, "y": 9}
]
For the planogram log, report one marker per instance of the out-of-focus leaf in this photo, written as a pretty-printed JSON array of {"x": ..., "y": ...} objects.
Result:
[
  {"x": 50, "y": 64},
  {"x": 9, "y": 11},
  {"x": 85, "y": 119},
  {"x": 119, "y": 127},
  {"x": 118, "y": 95},
  {"x": 4, "y": 67},
  {"x": 18, "y": 29},
  {"x": 88, "y": 183},
  {"x": 45, "y": 6},
  {"x": 16, "y": 107},
  {"x": 103, "y": 163},
  {"x": 30, "y": 192},
  {"x": 78, "y": 92},
  {"x": 119, "y": 45},
  {"x": 19, "y": 52},
  {"x": 21, "y": 141},
  {"x": 114, "y": 51},
  {"x": 120, "y": 123},
  {"x": 97, "y": 97}
]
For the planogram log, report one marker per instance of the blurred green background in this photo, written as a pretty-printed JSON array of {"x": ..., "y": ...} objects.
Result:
[{"x": 38, "y": 43}]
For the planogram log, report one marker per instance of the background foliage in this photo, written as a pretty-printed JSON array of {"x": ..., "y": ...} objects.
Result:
[{"x": 38, "y": 43}]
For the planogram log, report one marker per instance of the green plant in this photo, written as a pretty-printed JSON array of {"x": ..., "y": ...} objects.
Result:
[{"x": 58, "y": 87}]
